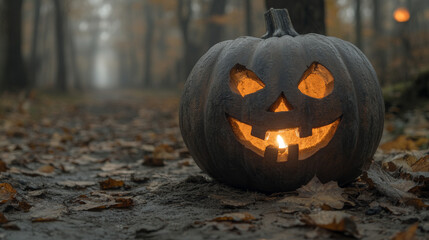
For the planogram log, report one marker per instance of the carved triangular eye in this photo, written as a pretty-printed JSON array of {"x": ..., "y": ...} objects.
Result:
[
  {"x": 243, "y": 81},
  {"x": 317, "y": 81}
]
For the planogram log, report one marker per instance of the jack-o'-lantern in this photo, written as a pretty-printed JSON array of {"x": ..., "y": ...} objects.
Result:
[{"x": 270, "y": 113}]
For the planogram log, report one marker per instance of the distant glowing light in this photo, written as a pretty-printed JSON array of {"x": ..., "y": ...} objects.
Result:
[{"x": 401, "y": 14}]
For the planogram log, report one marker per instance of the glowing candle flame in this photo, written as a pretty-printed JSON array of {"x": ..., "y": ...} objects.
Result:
[{"x": 281, "y": 142}]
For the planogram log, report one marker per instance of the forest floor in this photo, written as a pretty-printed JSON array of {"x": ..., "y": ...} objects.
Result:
[{"x": 113, "y": 165}]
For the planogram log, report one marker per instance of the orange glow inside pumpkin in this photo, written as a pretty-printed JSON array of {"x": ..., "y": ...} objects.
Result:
[
  {"x": 282, "y": 138},
  {"x": 281, "y": 105},
  {"x": 244, "y": 81},
  {"x": 317, "y": 81},
  {"x": 401, "y": 14}
]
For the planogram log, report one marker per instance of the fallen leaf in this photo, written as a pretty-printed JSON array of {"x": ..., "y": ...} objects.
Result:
[
  {"x": 116, "y": 173},
  {"x": 76, "y": 184},
  {"x": 388, "y": 185},
  {"x": 397, "y": 211},
  {"x": 407, "y": 234},
  {"x": 334, "y": 221},
  {"x": 108, "y": 167},
  {"x": 153, "y": 162},
  {"x": 98, "y": 201},
  {"x": 422, "y": 165},
  {"x": 185, "y": 163},
  {"x": 10, "y": 226},
  {"x": 3, "y": 166},
  {"x": 148, "y": 148},
  {"x": 86, "y": 159},
  {"x": 165, "y": 152},
  {"x": 123, "y": 203},
  {"x": 47, "y": 213},
  {"x": 139, "y": 178},
  {"x": 111, "y": 184},
  {"x": 3, "y": 219},
  {"x": 400, "y": 143},
  {"x": 7, "y": 192},
  {"x": 318, "y": 195},
  {"x": 238, "y": 217},
  {"x": 36, "y": 193},
  {"x": 24, "y": 206},
  {"x": 46, "y": 169}
]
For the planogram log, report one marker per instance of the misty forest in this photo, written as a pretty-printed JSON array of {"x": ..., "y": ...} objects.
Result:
[{"x": 158, "y": 119}]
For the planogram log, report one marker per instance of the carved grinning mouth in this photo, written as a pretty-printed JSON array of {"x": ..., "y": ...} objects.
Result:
[{"x": 305, "y": 147}]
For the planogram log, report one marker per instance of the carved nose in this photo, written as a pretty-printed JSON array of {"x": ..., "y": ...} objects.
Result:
[{"x": 280, "y": 105}]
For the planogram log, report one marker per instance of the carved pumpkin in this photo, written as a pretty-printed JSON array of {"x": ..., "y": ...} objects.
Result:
[{"x": 270, "y": 113}]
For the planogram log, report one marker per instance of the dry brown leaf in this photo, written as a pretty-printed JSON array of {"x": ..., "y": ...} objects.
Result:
[
  {"x": 3, "y": 219},
  {"x": 154, "y": 162},
  {"x": 238, "y": 217},
  {"x": 388, "y": 185},
  {"x": 76, "y": 184},
  {"x": 47, "y": 213},
  {"x": 147, "y": 148},
  {"x": 185, "y": 163},
  {"x": 407, "y": 234},
  {"x": 99, "y": 201},
  {"x": 116, "y": 173},
  {"x": 422, "y": 165},
  {"x": 333, "y": 221},
  {"x": 24, "y": 206},
  {"x": 46, "y": 169},
  {"x": 318, "y": 194},
  {"x": 123, "y": 203},
  {"x": 165, "y": 152},
  {"x": 111, "y": 184},
  {"x": 400, "y": 143},
  {"x": 108, "y": 167},
  {"x": 7, "y": 192},
  {"x": 86, "y": 159},
  {"x": 416, "y": 202},
  {"x": 3, "y": 166},
  {"x": 398, "y": 211}
]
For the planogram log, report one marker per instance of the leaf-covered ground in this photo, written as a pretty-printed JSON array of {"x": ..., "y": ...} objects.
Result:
[{"x": 113, "y": 166}]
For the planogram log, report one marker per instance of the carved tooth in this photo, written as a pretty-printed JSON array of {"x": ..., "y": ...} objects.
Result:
[
  {"x": 271, "y": 154},
  {"x": 259, "y": 133},
  {"x": 293, "y": 152}
]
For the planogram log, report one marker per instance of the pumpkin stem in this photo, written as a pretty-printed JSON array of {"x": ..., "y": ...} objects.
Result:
[{"x": 278, "y": 24}]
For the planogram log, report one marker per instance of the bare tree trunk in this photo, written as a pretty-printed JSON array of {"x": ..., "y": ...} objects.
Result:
[
  {"x": 358, "y": 27},
  {"x": 249, "y": 24},
  {"x": 214, "y": 30},
  {"x": 184, "y": 13},
  {"x": 73, "y": 59},
  {"x": 129, "y": 64},
  {"x": 61, "y": 80},
  {"x": 15, "y": 75},
  {"x": 308, "y": 16},
  {"x": 93, "y": 51},
  {"x": 148, "y": 45},
  {"x": 379, "y": 56},
  {"x": 35, "y": 37}
]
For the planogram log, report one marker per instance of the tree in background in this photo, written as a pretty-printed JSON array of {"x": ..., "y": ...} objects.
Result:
[
  {"x": 14, "y": 73},
  {"x": 148, "y": 44},
  {"x": 248, "y": 14},
  {"x": 308, "y": 16},
  {"x": 61, "y": 76},
  {"x": 358, "y": 24},
  {"x": 34, "y": 43}
]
